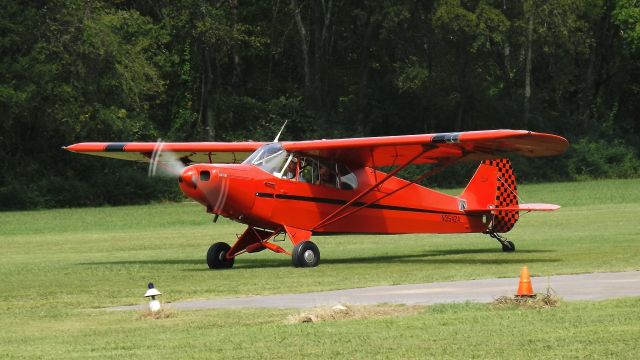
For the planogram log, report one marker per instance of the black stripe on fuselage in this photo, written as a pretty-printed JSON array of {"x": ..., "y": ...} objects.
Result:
[
  {"x": 115, "y": 147},
  {"x": 357, "y": 203}
]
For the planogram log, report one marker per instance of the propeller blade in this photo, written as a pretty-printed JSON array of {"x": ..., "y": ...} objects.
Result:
[{"x": 164, "y": 163}]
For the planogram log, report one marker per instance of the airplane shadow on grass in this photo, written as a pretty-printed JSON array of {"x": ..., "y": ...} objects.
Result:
[{"x": 429, "y": 257}]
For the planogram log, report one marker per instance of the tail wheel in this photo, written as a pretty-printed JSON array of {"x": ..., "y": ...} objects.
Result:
[
  {"x": 217, "y": 256},
  {"x": 509, "y": 246},
  {"x": 305, "y": 254}
]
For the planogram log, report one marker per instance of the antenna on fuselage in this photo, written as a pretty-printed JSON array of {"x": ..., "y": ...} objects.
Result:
[{"x": 278, "y": 136}]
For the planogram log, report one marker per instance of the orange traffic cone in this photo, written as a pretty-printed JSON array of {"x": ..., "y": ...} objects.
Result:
[{"x": 524, "y": 288}]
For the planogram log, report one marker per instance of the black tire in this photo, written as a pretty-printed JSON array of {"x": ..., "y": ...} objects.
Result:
[
  {"x": 217, "y": 256},
  {"x": 294, "y": 258},
  {"x": 305, "y": 254},
  {"x": 510, "y": 248}
]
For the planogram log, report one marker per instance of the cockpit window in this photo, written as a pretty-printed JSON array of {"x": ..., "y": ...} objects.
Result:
[
  {"x": 273, "y": 159},
  {"x": 347, "y": 179},
  {"x": 326, "y": 173},
  {"x": 269, "y": 157}
]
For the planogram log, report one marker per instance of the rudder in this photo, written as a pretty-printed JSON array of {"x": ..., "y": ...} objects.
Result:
[
  {"x": 494, "y": 186},
  {"x": 506, "y": 196}
]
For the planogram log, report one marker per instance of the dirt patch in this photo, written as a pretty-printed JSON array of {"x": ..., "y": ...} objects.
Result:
[
  {"x": 351, "y": 312},
  {"x": 538, "y": 301},
  {"x": 163, "y": 313}
]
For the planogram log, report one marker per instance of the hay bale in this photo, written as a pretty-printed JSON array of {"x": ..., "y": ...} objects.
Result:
[
  {"x": 538, "y": 301},
  {"x": 163, "y": 313},
  {"x": 350, "y": 312}
]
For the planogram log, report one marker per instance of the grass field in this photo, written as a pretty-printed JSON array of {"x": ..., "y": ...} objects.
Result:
[{"x": 59, "y": 268}]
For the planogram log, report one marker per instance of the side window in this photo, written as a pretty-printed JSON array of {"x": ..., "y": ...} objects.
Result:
[
  {"x": 326, "y": 173},
  {"x": 290, "y": 169},
  {"x": 297, "y": 168},
  {"x": 347, "y": 179},
  {"x": 308, "y": 171}
]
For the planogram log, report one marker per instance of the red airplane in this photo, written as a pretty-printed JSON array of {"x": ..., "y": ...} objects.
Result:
[{"x": 305, "y": 188}]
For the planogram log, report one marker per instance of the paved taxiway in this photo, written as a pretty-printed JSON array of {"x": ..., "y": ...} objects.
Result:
[{"x": 596, "y": 286}]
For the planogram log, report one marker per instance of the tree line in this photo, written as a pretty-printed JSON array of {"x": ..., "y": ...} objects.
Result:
[{"x": 226, "y": 70}]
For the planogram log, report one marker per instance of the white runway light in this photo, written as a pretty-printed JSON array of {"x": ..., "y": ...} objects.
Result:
[{"x": 152, "y": 292}]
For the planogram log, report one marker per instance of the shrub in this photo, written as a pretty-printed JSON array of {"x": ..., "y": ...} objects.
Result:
[{"x": 589, "y": 159}]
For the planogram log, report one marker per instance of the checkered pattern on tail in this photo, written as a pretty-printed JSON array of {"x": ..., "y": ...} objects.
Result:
[{"x": 506, "y": 195}]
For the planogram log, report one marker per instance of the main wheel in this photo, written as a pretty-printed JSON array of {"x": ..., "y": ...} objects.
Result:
[
  {"x": 511, "y": 247},
  {"x": 217, "y": 256},
  {"x": 305, "y": 254}
]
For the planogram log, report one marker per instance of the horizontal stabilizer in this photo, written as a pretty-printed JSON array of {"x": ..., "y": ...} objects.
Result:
[{"x": 519, "y": 207}]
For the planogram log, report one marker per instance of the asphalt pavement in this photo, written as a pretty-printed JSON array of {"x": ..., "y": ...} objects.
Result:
[{"x": 595, "y": 286}]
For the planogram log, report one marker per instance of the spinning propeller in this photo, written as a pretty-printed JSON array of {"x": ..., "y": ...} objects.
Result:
[{"x": 165, "y": 163}]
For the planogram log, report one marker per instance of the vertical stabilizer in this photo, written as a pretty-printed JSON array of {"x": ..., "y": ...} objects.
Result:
[{"x": 494, "y": 186}]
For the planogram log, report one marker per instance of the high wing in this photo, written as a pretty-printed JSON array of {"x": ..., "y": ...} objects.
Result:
[
  {"x": 460, "y": 146},
  {"x": 194, "y": 152},
  {"x": 370, "y": 151}
]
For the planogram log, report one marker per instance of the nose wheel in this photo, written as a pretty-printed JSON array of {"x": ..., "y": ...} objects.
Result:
[
  {"x": 305, "y": 254},
  {"x": 217, "y": 256}
]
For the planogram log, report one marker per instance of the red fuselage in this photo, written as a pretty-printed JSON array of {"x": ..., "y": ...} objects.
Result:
[{"x": 249, "y": 195}]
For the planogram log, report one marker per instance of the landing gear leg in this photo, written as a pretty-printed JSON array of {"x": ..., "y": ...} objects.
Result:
[{"x": 507, "y": 245}]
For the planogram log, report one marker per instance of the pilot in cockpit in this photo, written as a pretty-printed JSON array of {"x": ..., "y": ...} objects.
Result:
[
  {"x": 292, "y": 168},
  {"x": 327, "y": 177}
]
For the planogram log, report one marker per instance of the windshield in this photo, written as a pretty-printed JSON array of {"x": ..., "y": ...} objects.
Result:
[
  {"x": 273, "y": 159},
  {"x": 268, "y": 157}
]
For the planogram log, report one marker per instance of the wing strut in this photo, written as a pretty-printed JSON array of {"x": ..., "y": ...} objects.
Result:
[{"x": 333, "y": 217}]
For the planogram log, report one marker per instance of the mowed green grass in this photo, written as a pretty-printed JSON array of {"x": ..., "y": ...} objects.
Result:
[{"x": 59, "y": 268}]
